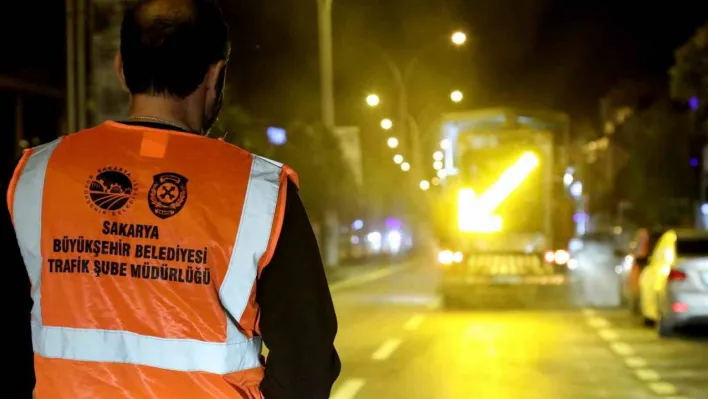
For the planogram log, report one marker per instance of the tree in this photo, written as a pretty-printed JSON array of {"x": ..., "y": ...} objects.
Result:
[
  {"x": 242, "y": 130},
  {"x": 658, "y": 178},
  {"x": 311, "y": 150},
  {"x": 326, "y": 181},
  {"x": 689, "y": 75}
]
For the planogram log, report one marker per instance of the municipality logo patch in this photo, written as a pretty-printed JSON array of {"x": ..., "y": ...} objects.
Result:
[{"x": 167, "y": 195}]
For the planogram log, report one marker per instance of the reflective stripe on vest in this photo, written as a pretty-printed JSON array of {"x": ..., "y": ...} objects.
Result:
[{"x": 237, "y": 353}]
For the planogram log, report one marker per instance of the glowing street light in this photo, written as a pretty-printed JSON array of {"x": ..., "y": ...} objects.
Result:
[
  {"x": 392, "y": 142},
  {"x": 459, "y": 38},
  {"x": 398, "y": 159},
  {"x": 405, "y": 166},
  {"x": 456, "y": 96},
  {"x": 568, "y": 179},
  {"x": 372, "y": 100},
  {"x": 438, "y": 156},
  {"x": 437, "y": 165},
  {"x": 445, "y": 144},
  {"x": 424, "y": 185},
  {"x": 386, "y": 124},
  {"x": 442, "y": 173}
]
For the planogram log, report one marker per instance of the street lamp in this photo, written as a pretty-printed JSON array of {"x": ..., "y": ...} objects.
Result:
[
  {"x": 424, "y": 185},
  {"x": 398, "y": 159},
  {"x": 405, "y": 166},
  {"x": 437, "y": 165},
  {"x": 445, "y": 144},
  {"x": 372, "y": 100},
  {"x": 442, "y": 173},
  {"x": 456, "y": 96},
  {"x": 392, "y": 142},
  {"x": 438, "y": 156},
  {"x": 386, "y": 124},
  {"x": 459, "y": 38}
]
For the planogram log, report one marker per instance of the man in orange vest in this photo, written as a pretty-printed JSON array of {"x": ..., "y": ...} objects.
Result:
[{"x": 159, "y": 259}]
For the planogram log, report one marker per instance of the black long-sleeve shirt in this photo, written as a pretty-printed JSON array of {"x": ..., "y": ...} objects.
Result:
[{"x": 297, "y": 321}]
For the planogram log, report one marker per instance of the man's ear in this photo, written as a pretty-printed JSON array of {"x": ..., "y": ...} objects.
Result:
[
  {"x": 118, "y": 65},
  {"x": 213, "y": 75}
]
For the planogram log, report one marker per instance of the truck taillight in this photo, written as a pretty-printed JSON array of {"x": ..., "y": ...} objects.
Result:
[
  {"x": 549, "y": 256},
  {"x": 447, "y": 257},
  {"x": 561, "y": 257}
]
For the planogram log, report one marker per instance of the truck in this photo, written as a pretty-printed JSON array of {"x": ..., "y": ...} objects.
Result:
[{"x": 502, "y": 218}]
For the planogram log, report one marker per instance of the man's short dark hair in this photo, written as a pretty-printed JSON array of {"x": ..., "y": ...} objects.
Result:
[{"x": 167, "y": 46}]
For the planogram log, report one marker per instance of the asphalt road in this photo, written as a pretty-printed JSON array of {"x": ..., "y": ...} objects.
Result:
[{"x": 395, "y": 341}]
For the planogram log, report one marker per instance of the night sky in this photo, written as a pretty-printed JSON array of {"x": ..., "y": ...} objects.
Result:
[
  {"x": 562, "y": 54},
  {"x": 556, "y": 53}
]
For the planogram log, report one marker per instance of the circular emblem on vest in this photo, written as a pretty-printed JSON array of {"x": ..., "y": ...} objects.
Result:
[
  {"x": 110, "y": 190},
  {"x": 168, "y": 194}
]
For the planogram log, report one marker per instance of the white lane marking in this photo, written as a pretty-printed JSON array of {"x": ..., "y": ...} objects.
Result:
[
  {"x": 589, "y": 312},
  {"x": 598, "y": 322},
  {"x": 663, "y": 388},
  {"x": 414, "y": 322},
  {"x": 386, "y": 349},
  {"x": 608, "y": 335},
  {"x": 365, "y": 278},
  {"x": 647, "y": 375},
  {"x": 349, "y": 389},
  {"x": 636, "y": 362},
  {"x": 622, "y": 349}
]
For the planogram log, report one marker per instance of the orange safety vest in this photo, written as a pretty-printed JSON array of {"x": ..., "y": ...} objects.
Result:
[{"x": 143, "y": 247}]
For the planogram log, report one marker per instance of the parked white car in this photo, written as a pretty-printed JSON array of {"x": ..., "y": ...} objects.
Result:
[{"x": 674, "y": 285}]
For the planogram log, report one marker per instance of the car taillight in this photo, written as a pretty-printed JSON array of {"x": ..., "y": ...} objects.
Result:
[
  {"x": 676, "y": 275},
  {"x": 679, "y": 307}
]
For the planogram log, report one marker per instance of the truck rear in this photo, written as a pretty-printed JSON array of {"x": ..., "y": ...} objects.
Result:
[{"x": 495, "y": 216}]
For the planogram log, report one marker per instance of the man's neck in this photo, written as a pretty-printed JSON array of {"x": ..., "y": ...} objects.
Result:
[{"x": 165, "y": 109}]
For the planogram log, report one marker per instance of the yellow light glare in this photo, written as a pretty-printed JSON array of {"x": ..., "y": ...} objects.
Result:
[
  {"x": 405, "y": 166},
  {"x": 372, "y": 100},
  {"x": 386, "y": 124},
  {"x": 392, "y": 142},
  {"x": 437, "y": 165},
  {"x": 438, "y": 156},
  {"x": 398, "y": 159}
]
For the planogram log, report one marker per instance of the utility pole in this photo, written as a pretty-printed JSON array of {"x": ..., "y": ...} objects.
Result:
[
  {"x": 330, "y": 229},
  {"x": 70, "y": 67},
  {"x": 324, "y": 14},
  {"x": 81, "y": 73}
]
